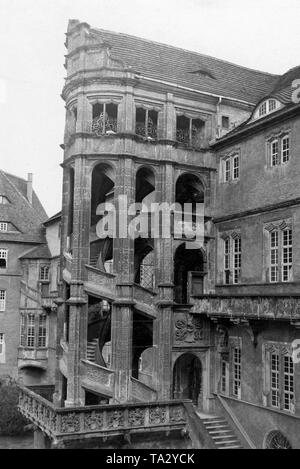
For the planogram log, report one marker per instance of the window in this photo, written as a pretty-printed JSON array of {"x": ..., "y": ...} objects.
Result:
[
  {"x": 236, "y": 167},
  {"x": 236, "y": 370},
  {"x": 262, "y": 109},
  {"x": 274, "y": 153},
  {"x": 190, "y": 131},
  {"x": 44, "y": 272},
  {"x": 30, "y": 330},
  {"x": 224, "y": 376},
  {"x": 2, "y": 346},
  {"x": 33, "y": 330},
  {"x": 227, "y": 260},
  {"x": 281, "y": 255},
  {"x": 285, "y": 149},
  {"x": 42, "y": 333},
  {"x": 231, "y": 165},
  {"x": 236, "y": 260},
  {"x": 274, "y": 380},
  {"x": 232, "y": 257},
  {"x": 105, "y": 118},
  {"x": 3, "y": 258},
  {"x": 23, "y": 331},
  {"x": 225, "y": 122},
  {"x": 279, "y": 387},
  {"x": 268, "y": 106},
  {"x": 274, "y": 256},
  {"x": 279, "y": 149},
  {"x": 146, "y": 123},
  {"x": 3, "y": 200},
  {"x": 227, "y": 170},
  {"x": 2, "y": 300},
  {"x": 3, "y": 226},
  {"x": 287, "y": 254}
]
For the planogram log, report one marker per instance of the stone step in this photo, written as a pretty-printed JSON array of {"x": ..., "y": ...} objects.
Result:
[
  {"x": 219, "y": 431},
  {"x": 214, "y": 427},
  {"x": 225, "y": 443},
  {"x": 232, "y": 447},
  {"x": 223, "y": 437}
]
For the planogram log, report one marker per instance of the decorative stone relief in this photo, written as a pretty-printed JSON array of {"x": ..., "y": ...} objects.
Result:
[
  {"x": 93, "y": 421},
  {"x": 115, "y": 419},
  {"x": 70, "y": 423},
  {"x": 176, "y": 414},
  {"x": 157, "y": 415},
  {"x": 136, "y": 417},
  {"x": 188, "y": 328}
]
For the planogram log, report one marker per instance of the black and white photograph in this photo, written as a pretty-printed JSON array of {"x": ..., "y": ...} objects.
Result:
[{"x": 149, "y": 227}]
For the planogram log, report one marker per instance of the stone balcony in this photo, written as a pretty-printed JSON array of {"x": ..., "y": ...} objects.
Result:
[
  {"x": 103, "y": 421},
  {"x": 250, "y": 307}
]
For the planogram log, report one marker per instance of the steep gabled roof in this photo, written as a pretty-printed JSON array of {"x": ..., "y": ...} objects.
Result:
[
  {"x": 186, "y": 68},
  {"x": 26, "y": 217}
]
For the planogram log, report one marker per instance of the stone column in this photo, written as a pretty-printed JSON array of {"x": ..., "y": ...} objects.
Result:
[
  {"x": 163, "y": 325},
  {"x": 121, "y": 325},
  {"x": 121, "y": 340},
  {"x": 78, "y": 299}
]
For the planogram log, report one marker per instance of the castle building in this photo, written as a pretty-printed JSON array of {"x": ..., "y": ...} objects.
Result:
[
  {"x": 165, "y": 340},
  {"x": 28, "y": 269}
]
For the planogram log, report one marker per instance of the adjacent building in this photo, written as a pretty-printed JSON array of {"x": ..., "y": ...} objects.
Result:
[{"x": 28, "y": 279}]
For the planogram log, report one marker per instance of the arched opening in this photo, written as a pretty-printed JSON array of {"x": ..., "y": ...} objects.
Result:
[
  {"x": 276, "y": 440},
  {"x": 144, "y": 185},
  {"x": 187, "y": 378},
  {"x": 102, "y": 191},
  {"x": 144, "y": 263},
  {"x": 188, "y": 273},
  {"x": 99, "y": 331},
  {"x": 142, "y": 339}
]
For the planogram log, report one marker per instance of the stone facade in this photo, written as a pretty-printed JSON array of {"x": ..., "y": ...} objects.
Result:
[{"x": 28, "y": 283}]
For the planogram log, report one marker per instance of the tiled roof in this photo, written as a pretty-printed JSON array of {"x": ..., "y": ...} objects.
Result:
[
  {"x": 39, "y": 252},
  {"x": 54, "y": 218},
  {"x": 282, "y": 90},
  {"x": 189, "y": 69}
]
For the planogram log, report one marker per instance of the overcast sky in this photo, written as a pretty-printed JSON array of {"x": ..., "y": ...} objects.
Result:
[{"x": 261, "y": 34}]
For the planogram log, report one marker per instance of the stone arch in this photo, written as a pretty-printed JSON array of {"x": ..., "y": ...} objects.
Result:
[{"x": 187, "y": 377}]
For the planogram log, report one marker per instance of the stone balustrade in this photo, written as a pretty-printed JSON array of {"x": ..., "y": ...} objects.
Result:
[
  {"x": 103, "y": 420},
  {"x": 280, "y": 307}
]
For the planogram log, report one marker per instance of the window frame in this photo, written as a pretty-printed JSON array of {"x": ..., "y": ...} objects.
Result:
[
  {"x": 5, "y": 256},
  {"x": 3, "y": 226},
  {"x": 230, "y": 171},
  {"x": 280, "y": 253},
  {"x": 42, "y": 268},
  {"x": 33, "y": 330},
  {"x": 2, "y": 300}
]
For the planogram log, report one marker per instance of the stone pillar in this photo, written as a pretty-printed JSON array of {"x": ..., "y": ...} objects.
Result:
[
  {"x": 169, "y": 118},
  {"x": 40, "y": 440},
  {"x": 121, "y": 339},
  {"x": 127, "y": 112},
  {"x": 163, "y": 325},
  {"x": 123, "y": 249},
  {"x": 78, "y": 301}
]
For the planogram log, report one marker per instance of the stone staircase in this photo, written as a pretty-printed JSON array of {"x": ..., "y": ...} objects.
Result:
[
  {"x": 220, "y": 431},
  {"x": 91, "y": 350}
]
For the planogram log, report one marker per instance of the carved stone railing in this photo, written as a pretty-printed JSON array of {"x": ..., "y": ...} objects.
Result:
[
  {"x": 103, "y": 420},
  {"x": 141, "y": 392},
  {"x": 250, "y": 306},
  {"x": 97, "y": 378},
  {"x": 101, "y": 280}
]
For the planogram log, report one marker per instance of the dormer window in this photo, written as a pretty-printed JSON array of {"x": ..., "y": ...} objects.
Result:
[
  {"x": 3, "y": 226},
  {"x": 266, "y": 107},
  {"x": 3, "y": 200}
]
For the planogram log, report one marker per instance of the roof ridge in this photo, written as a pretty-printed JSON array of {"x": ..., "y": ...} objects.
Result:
[{"x": 200, "y": 54}]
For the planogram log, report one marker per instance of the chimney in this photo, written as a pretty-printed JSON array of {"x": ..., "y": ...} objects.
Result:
[{"x": 29, "y": 187}]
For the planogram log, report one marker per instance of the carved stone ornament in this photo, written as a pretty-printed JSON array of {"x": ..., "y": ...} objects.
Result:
[{"x": 189, "y": 329}]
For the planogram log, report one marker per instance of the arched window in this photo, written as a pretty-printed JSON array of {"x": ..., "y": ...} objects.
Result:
[{"x": 276, "y": 440}]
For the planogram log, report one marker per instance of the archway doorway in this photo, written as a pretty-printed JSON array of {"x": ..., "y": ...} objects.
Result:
[
  {"x": 187, "y": 378},
  {"x": 188, "y": 273}
]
